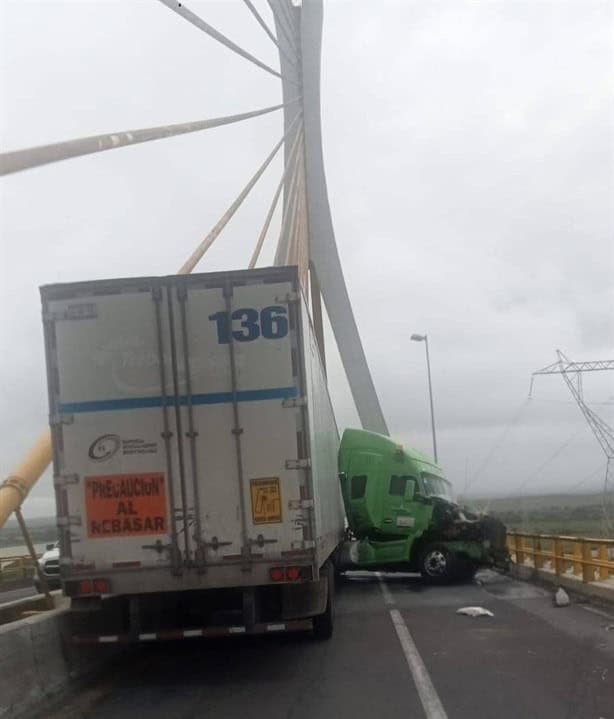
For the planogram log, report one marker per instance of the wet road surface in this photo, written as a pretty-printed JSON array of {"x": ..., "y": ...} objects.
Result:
[{"x": 399, "y": 650}]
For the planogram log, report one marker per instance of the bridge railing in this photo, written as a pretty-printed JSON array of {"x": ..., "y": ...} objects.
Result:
[
  {"x": 582, "y": 558},
  {"x": 16, "y": 568}
]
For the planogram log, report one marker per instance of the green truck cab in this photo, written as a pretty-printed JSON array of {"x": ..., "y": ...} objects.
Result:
[{"x": 402, "y": 517}]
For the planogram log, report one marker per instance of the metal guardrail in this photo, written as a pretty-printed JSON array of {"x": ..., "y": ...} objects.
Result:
[
  {"x": 586, "y": 559},
  {"x": 16, "y": 568}
]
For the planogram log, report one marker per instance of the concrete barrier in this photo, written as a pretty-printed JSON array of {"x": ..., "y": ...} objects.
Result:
[
  {"x": 602, "y": 591},
  {"x": 12, "y": 611},
  {"x": 37, "y": 662}
]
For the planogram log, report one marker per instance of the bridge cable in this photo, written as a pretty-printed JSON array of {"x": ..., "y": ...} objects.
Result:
[
  {"x": 268, "y": 31},
  {"x": 19, "y": 160},
  {"x": 269, "y": 217},
  {"x": 281, "y": 23},
  {"x": 293, "y": 249},
  {"x": 303, "y": 240},
  {"x": 198, "y": 253},
  {"x": 198, "y": 22},
  {"x": 261, "y": 21},
  {"x": 280, "y": 253}
]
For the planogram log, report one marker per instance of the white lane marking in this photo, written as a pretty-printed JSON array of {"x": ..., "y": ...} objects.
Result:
[
  {"x": 431, "y": 703},
  {"x": 433, "y": 708},
  {"x": 597, "y": 611},
  {"x": 388, "y": 598}
]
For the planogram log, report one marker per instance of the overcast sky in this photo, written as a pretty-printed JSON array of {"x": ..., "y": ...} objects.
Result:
[{"x": 469, "y": 150}]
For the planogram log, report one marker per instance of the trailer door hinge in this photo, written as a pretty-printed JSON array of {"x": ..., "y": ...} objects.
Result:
[
  {"x": 294, "y": 505},
  {"x": 59, "y": 418},
  {"x": 288, "y": 297},
  {"x": 260, "y": 541},
  {"x": 60, "y": 480},
  {"x": 298, "y": 463},
  {"x": 69, "y": 520},
  {"x": 292, "y": 402},
  {"x": 76, "y": 311}
]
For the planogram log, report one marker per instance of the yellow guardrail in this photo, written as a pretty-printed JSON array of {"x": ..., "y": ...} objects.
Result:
[
  {"x": 584, "y": 558},
  {"x": 13, "y": 569}
]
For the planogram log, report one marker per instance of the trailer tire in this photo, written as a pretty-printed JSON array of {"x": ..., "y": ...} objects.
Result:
[
  {"x": 437, "y": 564},
  {"x": 323, "y": 623}
]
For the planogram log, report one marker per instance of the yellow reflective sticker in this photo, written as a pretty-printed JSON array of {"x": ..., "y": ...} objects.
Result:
[{"x": 266, "y": 500}]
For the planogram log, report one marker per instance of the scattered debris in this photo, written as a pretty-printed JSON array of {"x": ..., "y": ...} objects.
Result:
[
  {"x": 475, "y": 612},
  {"x": 608, "y": 627},
  {"x": 561, "y": 598}
]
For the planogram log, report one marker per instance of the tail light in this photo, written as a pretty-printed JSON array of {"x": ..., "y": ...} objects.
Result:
[
  {"x": 290, "y": 574},
  {"x": 277, "y": 574},
  {"x": 85, "y": 587},
  {"x": 293, "y": 573},
  {"x": 101, "y": 586}
]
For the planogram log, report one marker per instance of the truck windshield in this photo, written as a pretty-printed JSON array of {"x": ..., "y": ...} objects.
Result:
[{"x": 436, "y": 486}]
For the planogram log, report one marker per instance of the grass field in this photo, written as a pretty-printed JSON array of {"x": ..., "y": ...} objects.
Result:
[{"x": 570, "y": 514}]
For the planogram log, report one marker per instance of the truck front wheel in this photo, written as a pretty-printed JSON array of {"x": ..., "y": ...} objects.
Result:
[
  {"x": 323, "y": 623},
  {"x": 437, "y": 564}
]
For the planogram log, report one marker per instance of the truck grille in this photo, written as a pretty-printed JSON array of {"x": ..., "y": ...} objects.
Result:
[{"x": 52, "y": 567}]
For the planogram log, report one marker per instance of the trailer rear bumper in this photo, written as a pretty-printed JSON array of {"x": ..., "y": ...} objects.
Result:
[
  {"x": 153, "y": 580},
  {"x": 296, "y": 625}
]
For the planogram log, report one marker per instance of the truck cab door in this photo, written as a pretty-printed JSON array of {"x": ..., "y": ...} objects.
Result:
[{"x": 400, "y": 506}]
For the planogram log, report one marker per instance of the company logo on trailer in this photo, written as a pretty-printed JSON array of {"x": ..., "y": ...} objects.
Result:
[
  {"x": 104, "y": 447},
  {"x": 108, "y": 445}
]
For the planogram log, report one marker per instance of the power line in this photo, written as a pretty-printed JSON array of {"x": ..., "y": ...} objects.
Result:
[
  {"x": 19, "y": 160},
  {"x": 585, "y": 479},
  {"x": 198, "y": 22},
  {"x": 561, "y": 448},
  {"x": 496, "y": 444}
]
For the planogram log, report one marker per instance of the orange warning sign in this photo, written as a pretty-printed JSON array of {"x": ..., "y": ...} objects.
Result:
[
  {"x": 266, "y": 500},
  {"x": 124, "y": 505}
]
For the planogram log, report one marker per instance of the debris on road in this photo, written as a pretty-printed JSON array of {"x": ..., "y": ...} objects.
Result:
[
  {"x": 561, "y": 598},
  {"x": 475, "y": 612}
]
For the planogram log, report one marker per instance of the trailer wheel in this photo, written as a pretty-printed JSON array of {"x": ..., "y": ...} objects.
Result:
[
  {"x": 437, "y": 564},
  {"x": 323, "y": 623}
]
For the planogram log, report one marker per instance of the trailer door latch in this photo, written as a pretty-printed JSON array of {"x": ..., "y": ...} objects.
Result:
[
  {"x": 293, "y": 402},
  {"x": 61, "y": 480},
  {"x": 298, "y": 463}
]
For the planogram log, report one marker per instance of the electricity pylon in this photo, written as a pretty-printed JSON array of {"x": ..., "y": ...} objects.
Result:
[{"x": 572, "y": 374}]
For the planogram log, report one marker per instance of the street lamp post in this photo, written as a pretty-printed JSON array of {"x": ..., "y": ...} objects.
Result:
[{"x": 424, "y": 338}]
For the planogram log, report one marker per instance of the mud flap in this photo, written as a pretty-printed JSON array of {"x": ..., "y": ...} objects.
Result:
[{"x": 304, "y": 600}]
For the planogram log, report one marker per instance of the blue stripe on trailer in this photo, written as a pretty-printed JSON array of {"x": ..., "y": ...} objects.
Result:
[{"x": 109, "y": 405}]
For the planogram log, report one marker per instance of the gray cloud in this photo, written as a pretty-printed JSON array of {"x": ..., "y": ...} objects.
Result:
[{"x": 469, "y": 159}]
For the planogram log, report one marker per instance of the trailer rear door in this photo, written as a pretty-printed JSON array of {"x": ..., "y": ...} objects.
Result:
[{"x": 178, "y": 430}]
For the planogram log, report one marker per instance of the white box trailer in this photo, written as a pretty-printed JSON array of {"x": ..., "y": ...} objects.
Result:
[{"x": 195, "y": 455}]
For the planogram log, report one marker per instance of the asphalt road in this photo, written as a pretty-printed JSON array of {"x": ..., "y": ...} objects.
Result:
[
  {"x": 11, "y": 595},
  {"x": 399, "y": 651}
]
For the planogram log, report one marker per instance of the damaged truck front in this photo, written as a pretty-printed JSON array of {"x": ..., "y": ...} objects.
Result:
[{"x": 402, "y": 517}]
